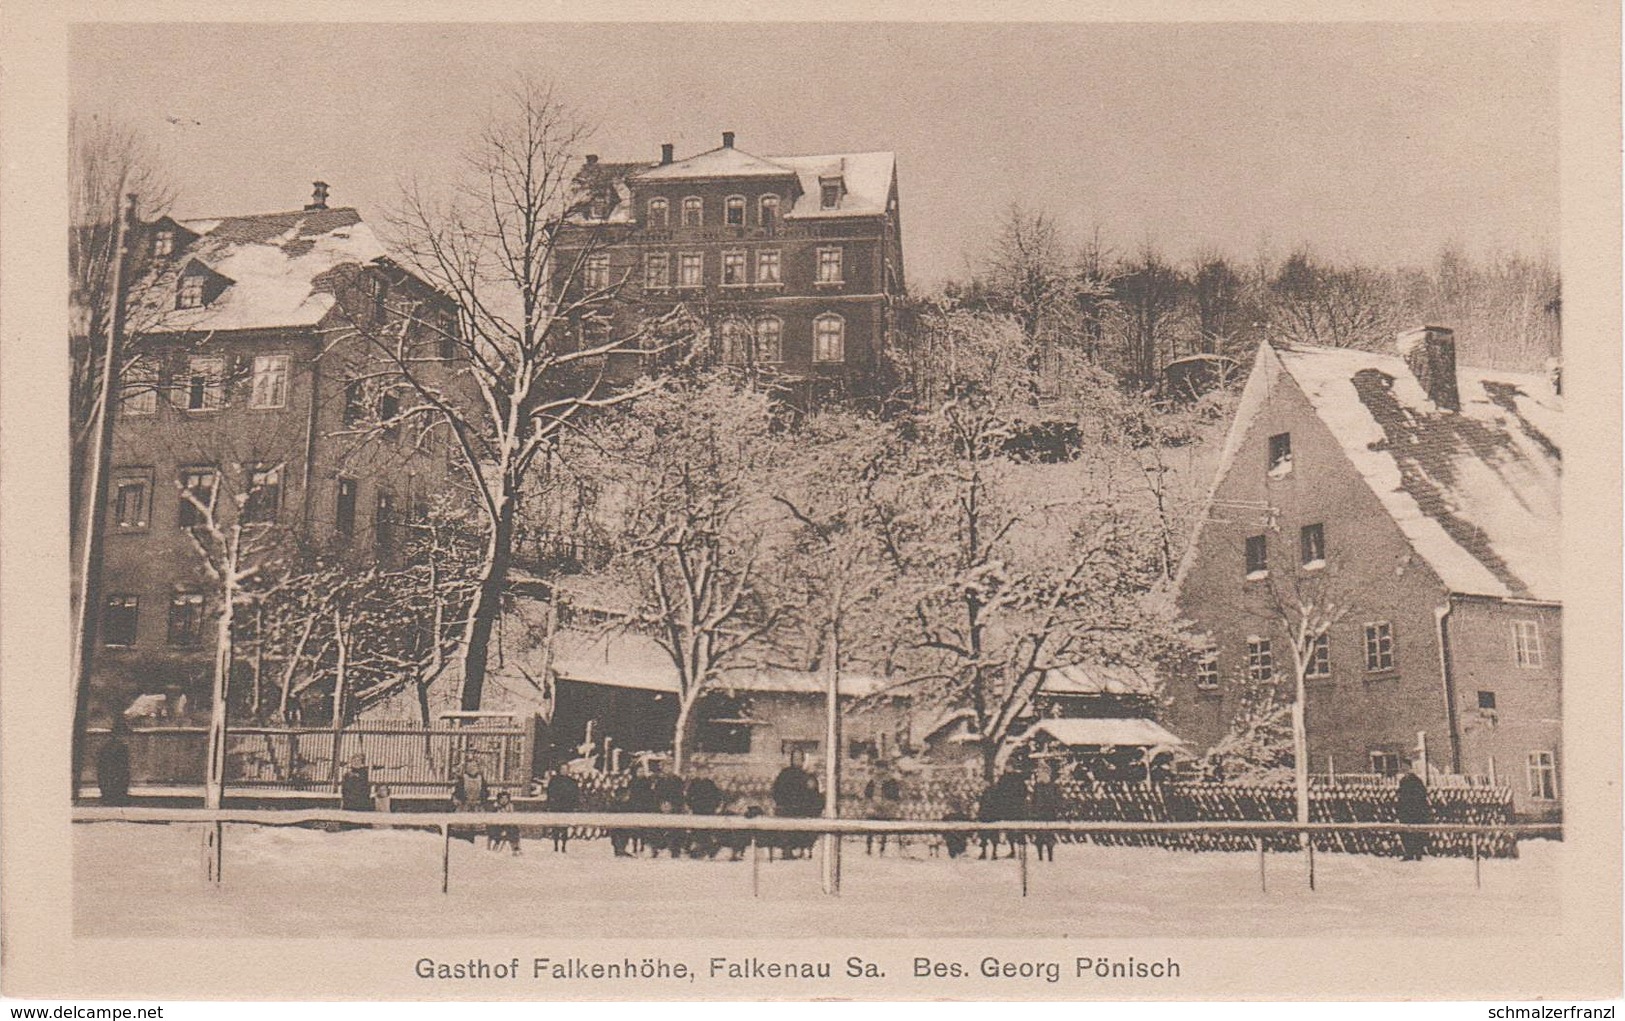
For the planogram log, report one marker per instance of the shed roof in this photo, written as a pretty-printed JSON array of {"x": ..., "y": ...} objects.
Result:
[{"x": 1105, "y": 733}]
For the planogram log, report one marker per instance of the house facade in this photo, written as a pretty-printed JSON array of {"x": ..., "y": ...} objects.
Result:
[
  {"x": 791, "y": 264},
  {"x": 253, "y": 391},
  {"x": 1396, "y": 518}
]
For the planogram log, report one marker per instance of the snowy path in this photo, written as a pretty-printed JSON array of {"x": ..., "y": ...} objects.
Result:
[{"x": 146, "y": 880}]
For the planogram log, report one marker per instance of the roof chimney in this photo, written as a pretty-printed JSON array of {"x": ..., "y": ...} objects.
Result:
[
  {"x": 318, "y": 195},
  {"x": 592, "y": 158},
  {"x": 1430, "y": 352},
  {"x": 727, "y": 139},
  {"x": 665, "y": 153}
]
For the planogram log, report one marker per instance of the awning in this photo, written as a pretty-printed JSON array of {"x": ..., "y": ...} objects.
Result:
[{"x": 1105, "y": 733}]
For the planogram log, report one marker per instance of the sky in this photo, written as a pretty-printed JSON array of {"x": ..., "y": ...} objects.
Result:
[{"x": 1380, "y": 142}]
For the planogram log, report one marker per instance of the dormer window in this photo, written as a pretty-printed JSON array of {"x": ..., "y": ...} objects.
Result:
[
  {"x": 163, "y": 243},
  {"x": 189, "y": 292},
  {"x": 830, "y": 189}
]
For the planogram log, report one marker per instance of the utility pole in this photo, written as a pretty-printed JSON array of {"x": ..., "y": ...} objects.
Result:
[
  {"x": 95, "y": 511},
  {"x": 832, "y": 762}
]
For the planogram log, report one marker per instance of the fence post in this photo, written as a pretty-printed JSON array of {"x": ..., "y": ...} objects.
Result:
[
  {"x": 219, "y": 849},
  {"x": 445, "y": 857},
  {"x": 1478, "y": 875},
  {"x": 1022, "y": 855},
  {"x": 1263, "y": 883},
  {"x": 1309, "y": 842},
  {"x": 755, "y": 867}
]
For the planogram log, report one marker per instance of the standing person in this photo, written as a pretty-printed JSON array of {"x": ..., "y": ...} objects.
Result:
[
  {"x": 885, "y": 796},
  {"x": 497, "y": 835},
  {"x": 468, "y": 794},
  {"x": 795, "y": 795},
  {"x": 1415, "y": 810},
  {"x": 355, "y": 787},
  {"x": 113, "y": 764},
  {"x": 563, "y": 795},
  {"x": 641, "y": 799},
  {"x": 704, "y": 798},
  {"x": 1046, "y": 807},
  {"x": 669, "y": 796}
]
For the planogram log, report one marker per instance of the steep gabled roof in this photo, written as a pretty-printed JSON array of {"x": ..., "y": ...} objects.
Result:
[
  {"x": 1477, "y": 492},
  {"x": 277, "y": 268},
  {"x": 723, "y": 162}
]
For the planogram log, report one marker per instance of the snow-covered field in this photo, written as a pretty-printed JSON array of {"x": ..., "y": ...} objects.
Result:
[{"x": 133, "y": 879}]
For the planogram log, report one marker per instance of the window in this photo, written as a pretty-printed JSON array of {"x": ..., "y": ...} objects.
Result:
[
  {"x": 1543, "y": 776},
  {"x": 786, "y": 748},
  {"x": 163, "y": 243},
  {"x": 767, "y": 268},
  {"x": 389, "y": 410},
  {"x": 1207, "y": 669},
  {"x": 770, "y": 213},
  {"x": 186, "y": 618},
  {"x": 691, "y": 269},
  {"x": 270, "y": 382},
  {"x": 1280, "y": 455},
  {"x": 1526, "y": 643},
  {"x": 1258, "y": 560},
  {"x": 1384, "y": 763},
  {"x": 659, "y": 214},
  {"x": 769, "y": 340},
  {"x": 1312, "y": 545},
  {"x": 1319, "y": 662},
  {"x": 733, "y": 269},
  {"x": 345, "y": 518},
  {"x": 656, "y": 271},
  {"x": 829, "y": 266},
  {"x": 735, "y": 210},
  {"x": 829, "y": 339},
  {"x": 1379, "y": 646},
  {"x": 189, "y": 292},
  {"x": 724, "y": 726},
  {"x": 132, "y": 503},
  {"x": 735, "y": 342},
  {"x": 118, "y": 620},
  {"x": 383, "y": 519},
  {"x": 1260, "y": 660},
  {"x": 264, "y": 495},
  {"x": 205, "y": 384},
  {"x": 444, "y": 325},
  {"x": 380, "y": 298},
  {"x": 1486, "y": 701},
  {"x": 829, "y": 194},
  {"x": 693, "y": 211},
  {"x": 595, "y": 272},
  {"x": 197, "y": 495},
  {"x": 139, "y": 388},
  {"x": 355, "y": 401}
]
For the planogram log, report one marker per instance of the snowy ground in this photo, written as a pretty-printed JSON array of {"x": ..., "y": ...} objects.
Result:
[{"x": 134, "y": 879}]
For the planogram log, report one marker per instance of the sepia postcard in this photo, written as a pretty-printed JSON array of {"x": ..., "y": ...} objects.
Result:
[{"x": 880, "y": 501}]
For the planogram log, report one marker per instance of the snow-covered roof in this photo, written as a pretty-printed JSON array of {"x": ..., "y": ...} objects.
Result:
[
  {"x": 1096, "y": 679},
  {"x": 1477, "y": 492},
  {"x": 724, "y": 162},
  {"x": 867, "y": 177},
  {"x": 276, "y": 268},
  {"x": 629, "y": 660},
  {"x": 1104, "y": 733}
]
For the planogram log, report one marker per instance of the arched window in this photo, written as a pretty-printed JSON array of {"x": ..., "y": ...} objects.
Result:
[
  {"x": 735, "y": 342},
  {"x": 770, "y": 213},
  {"x": 735, "y": 209},
  {"x": 829, "y": 338},
  {"x": 659, "y": 214},
  {"x": 769, "y": 340},
  {"x": 693, "y": 211}
]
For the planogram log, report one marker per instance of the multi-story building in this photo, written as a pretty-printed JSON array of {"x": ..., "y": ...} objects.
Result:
[
  {"x": 1408, "y": 513},
  {"x": 253, "y": 392},
  {"x": 792, "y": 263}
]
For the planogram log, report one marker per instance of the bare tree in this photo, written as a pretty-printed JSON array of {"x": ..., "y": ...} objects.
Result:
[
  {"x": 510, "y": 251},
  {"x": 1150, "y": 297}
]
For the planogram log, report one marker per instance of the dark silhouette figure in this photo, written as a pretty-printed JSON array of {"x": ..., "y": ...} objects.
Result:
[
  {"x": 669, "y": 800},
  {"x": 497, "y": 836},
  {"x": 1045, "y": 806},
  {"x": 704, "y": 798},
  {"x": 795, "y": 796},
  {"x": 355, "y": 787},
  {"x": 468, "y": 795},
  {"x": 1413, "y": 809},
  {"x": 885, "y": 796},
  {"x": 956, "y": 843},
  {"x": 640, "y": 799},
  {"x": 113, "y": 765},
  {"x": 563, "y": 795},
  {"x": 1004, "y": 801}
]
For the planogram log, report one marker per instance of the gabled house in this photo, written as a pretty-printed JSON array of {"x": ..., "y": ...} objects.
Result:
[
  {"x": 250, "y": 382},
  {"x": 791, "y": 263},
  {"x": 1413, "y": 508}
]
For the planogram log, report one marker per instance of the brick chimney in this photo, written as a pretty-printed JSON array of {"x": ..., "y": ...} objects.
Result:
[
  {"x": 1430, "y": 353},
  {"x": 592, "y": 159},
  {"x": 318, "y": 195},
  {"x": 727, "y": 139},
  {"x": 665, "y": 153}
]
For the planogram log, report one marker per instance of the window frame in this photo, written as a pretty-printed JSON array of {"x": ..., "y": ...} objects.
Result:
[
  {"x": 125, "y": 478},
  {"x": 1260, "y": 660},
  {"x": 684, "y": 260},
  {"x": 143, "y": 372},
  {"x": 696, "y": 205},
  {"x": 163, "y": 242},
  {"x": 1527, "y": 652},
  {"x": 741, "y": 261},
  {"x": 839, "y": 262},
  {"x": 190, "y": 633},
  {"x": 650, "y": 261},
  {"x": 262, "y": 493},
  {"x": 189, "y": 291},
  {"x": 1207, "y": 669},
  {"x": 1278, "y": 460},
  {"x": 1312, "y": 546},
  {"x": 734, "y": 342},
  {"x": 130, "y": 605},
  {"x": 1318, "y": 663},
  {"x": 829, "y": 193},
  {"x": 1542, "y": 763},
  {"x": 595, "y": 272},
  {"x": 213, "y": 384},
  {"x": 1383, "y": 763},
  {"x": 763, "y": 351},
  {"x": 189, "y": 510},
  {"x": 820, "y": 355},
  {"x": 769, "y": 222},
  {"x": 344, "y": 520},
  {"x": 661, "y": 203},
  {"x": 769, "y": 257},
  {"x": 729, "y": 206},
  {"x": 1377, "y": 633},
  {"x": 263, "y": 371},
  {"x": 1256, "y": 568}
]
